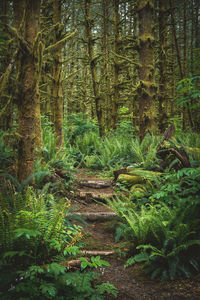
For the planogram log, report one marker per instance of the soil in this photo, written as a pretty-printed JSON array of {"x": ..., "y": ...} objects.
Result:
[{"x": 130, "y": 282}]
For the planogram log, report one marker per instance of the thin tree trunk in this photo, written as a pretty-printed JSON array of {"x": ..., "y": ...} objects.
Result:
[
  {"x": 146, "y": 88},
  {"x": 175, "y": 38},
  {"x": 93, "y": 69},
  {"x": 106, "y": 64},
  {"x": 192, "y": 39},
  {"x": 57, "y": 93},
  {"x": 115, "y": 99},
  {"x": 163, "y": 79},
  {"x": 182, "y": 71},
  {"x": 72, "y": 62},
  {"x": 172, "y": 75}
]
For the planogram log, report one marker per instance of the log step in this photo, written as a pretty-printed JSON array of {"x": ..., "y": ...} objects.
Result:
[
  {"x": 97, "y": 252},
  {"x": 95, "y": 195},
  {"x": 94, "y": 216},
  {"x": 96, "y": 184}
]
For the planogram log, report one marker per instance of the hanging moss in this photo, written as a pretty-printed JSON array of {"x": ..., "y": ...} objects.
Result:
[
  {"x": 59, "y": 43},
  {"x": 141, "y": 4}
]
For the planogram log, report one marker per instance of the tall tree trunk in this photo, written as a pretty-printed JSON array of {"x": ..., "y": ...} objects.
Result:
[
  {"x": 93, "y": 69},
  {"x": 27, "y": 15},
  {"x": 197, "y": 38},
  {"x": 146, "y": 88},
  {"x": 57, "y": 93},
  {"x": 5, "y": 59},
  {"x": 71, "y": 80},
  {"x": 115, "y": 99},
  {"x": 172, "y": 74},
  {"x": 105, "y": 70},
  {"x": 175, "y": 38},
  {"x": 163, "y": 79},
  {"x": 182, "y": 70},
  {"x": 192, "y": 39},
  {"x": 184, "y": 60}
]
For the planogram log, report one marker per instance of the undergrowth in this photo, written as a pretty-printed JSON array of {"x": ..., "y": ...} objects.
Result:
[
  {"x": 164, "y": 233},
  {"x": 35, "y": 245}
]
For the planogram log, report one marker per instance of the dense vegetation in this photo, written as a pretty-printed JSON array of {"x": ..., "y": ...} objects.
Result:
[{"x": 102, "y": 85}]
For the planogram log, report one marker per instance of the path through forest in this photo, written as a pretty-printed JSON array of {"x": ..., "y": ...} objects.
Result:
[{"x": 99, "y": 237}]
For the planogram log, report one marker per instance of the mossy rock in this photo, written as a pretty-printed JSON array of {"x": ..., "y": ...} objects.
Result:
[{"x": 133, "y": 179}]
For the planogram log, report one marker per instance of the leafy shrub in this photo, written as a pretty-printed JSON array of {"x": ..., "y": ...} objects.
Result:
[
  {"x": 34, "y": 247},
  {"x": 166, "y": 235},
  {"x": 184, "y": 185},
  {"x": 79, "y": 125},
  {"x": 178, "y": 257},
  {"x": 91, "y": 151}
]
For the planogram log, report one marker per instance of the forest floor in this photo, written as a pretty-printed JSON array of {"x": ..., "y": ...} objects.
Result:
[{"x": 99, "y": 234}]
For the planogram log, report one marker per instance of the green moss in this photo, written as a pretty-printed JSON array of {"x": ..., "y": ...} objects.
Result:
[
  {"x": 141, "y": 4},
  {"x": 146, "y": 37}
]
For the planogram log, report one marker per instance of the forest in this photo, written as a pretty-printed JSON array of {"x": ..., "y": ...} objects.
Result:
[{"x": 99, "y": 149}]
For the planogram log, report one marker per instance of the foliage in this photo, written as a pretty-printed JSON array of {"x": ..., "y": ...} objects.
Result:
[
  {"x": 189, "y": 92},
  {"x": 78, "y": 125},
  {"x": 34, "y": 247},
  {"x": 94, "y": 263},
  {"x": 6, "y": 153},
  {"x": 53, "y": 162},
  {"x": 125, "y": 128},
  {"x": 115, "y": 151},
  {"x": 144, "y": 226},
  {"x": 184, "y": 185},
  {"x": 166, "y": 235}
]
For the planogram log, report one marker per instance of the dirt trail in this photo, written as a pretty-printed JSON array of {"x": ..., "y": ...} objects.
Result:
[{"x": 99, "y": 236}]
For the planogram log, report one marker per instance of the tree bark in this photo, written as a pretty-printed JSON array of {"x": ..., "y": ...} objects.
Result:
[
  {"x": 105, "y": 69},
  {"x": 93, "y": 69},
  {"x": 163, "y": 79},
  {"x": 27, "y": 15},
  {"x": 57, "y": 93},
  {"x": 115, "y": 99},
  {"x": 146, "y": 88}
]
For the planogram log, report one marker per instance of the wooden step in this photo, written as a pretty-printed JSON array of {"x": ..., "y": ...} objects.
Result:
[
  {"x": 95, "y": 194},
  {"x": 97, "y": 252},
  {"x": 96, "y": 184},
  {"x": 94, "y": 216}
]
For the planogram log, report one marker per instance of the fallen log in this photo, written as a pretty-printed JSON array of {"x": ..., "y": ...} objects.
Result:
[
  {"x": 75, "y": 263},
  {"x": 150, "y": 175},
  {"x": 116, "y": 173},
  {"x": 178, "y": 151},
  {"x": 133, "y": 179}
]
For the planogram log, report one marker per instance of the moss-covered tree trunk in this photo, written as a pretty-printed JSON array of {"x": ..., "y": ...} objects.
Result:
[
  {"x": 93, "y": 68},
  {"x": 146, "y": 88},
  {"x": 72, "y": 63},
  {"x": 163, "y": 79},
  {"x": 57, "y": 92},
  {"x": 105, "y": 66},
  {"x": 115, "y": 99},
  {"x": 27, "y": 15},
  {"x": 5, "y": 69}
]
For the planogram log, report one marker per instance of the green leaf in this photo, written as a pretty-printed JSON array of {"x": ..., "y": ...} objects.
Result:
[
  {"x": 48, "y": 289},
  {"x": 28, "y": 233},
  {"x": 56, "y": 269},
  {"x": 14, "y": 253}
]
